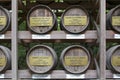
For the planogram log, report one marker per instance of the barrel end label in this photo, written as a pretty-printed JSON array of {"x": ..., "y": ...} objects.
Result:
[
  {"x": 2, "y": 61},
  {"x": 75, "y": 20},
  {"x": 76, "y": 60},
  {"x": 3, "y": 20},
  {"x": 116, "y": 60},
  {"x": 40, "y": 60},
  {"x": 116, "y": 20},
  {"x": 41, "y": 21}
]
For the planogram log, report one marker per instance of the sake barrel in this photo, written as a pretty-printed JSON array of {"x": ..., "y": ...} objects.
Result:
[
  {"x": 75, "y": 19},
  {"x": 5, "y": 59},
  {"x": 41, "y": 19},
  {"x": 4, "y": 19},
  {"x": 41, "y": 59},
  {"x": 113, "y": 18},
  {"x": 113, "y": 58},
  {"x": 45, "y": 1},
  {"x": 72, "y": 1},
  {"x": 75, "y": 59}
]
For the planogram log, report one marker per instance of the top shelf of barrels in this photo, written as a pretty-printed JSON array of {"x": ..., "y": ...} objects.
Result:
[{"x": 43, "y": 19}]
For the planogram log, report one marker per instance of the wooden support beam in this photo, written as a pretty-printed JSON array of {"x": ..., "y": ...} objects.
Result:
[
  {"x": 14, "y": 40},
  {"x": 102, "y": 40}
]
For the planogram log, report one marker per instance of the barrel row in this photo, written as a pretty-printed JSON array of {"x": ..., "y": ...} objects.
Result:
[
  {"x": 42, "y": 59},
  {"x": 75, "y": 59},
  {"x": 75, "y": 19},
  {"x": 41, "y": 19}
]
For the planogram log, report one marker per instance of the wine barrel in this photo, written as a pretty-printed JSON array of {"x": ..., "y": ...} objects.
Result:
[
  {"x": 72, "y": 1},
  {"x": 5, "y": 59},
  {"x": 113, "y": 58},
  {"x": 4, "y": 19},
  {"x": 45, "y": 1},
  {"x": 41, "y": 59},
  {"x": 41, "y": 19},
  {"x": 75, "y": 19},
  {"x": 75, "y": 59},
  {"x": 113, "y": 19}
]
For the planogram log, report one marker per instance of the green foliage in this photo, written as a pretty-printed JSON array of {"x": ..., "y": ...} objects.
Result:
[
  {"x": 22, "y": 26},
  {"x": 22, "y": 57}
]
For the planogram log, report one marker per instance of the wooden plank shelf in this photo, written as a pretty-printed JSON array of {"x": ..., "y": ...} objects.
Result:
[
  {"x": 89, "y": 36},
  {"x": 59, "y": 74},
  {"x": 54, "y": 36},
  {"x": 111, "y": 75},
  {"x": 5, "y": 36},
  {"x": 58, "y": 35},
  {"x": 112, "y": 36},
  {"x": 55, "y": 74}
]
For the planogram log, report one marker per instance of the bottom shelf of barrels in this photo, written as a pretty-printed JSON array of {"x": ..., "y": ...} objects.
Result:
[
  {"x": 42, "y": 61},
  {"x": 38, "y": 60}
]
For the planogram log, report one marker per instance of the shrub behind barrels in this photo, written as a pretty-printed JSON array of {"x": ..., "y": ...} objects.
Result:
[
  {"x": 45, "y": 1},
  {"x": 72, "y": 1}
]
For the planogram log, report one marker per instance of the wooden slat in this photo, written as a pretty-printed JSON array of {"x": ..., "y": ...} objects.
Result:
[
  {"x": 54, "y": 35},
  {"x": 102, "y": 43},
  {"x": 90, "y": 34},
  {"x": 111, "y": 35},
  {"x": 58, "y": 35},
  {"x": 55, "y": 74},
  {"x": 109, "y": 74}
]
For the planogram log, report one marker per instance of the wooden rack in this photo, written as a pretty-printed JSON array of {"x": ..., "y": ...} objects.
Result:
[{"x": 59, "y": 36}]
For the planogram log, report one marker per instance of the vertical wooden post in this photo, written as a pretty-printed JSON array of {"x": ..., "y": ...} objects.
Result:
[
  {"x": 102, "y": 40},
  {"x": 14, "y": 40}
]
